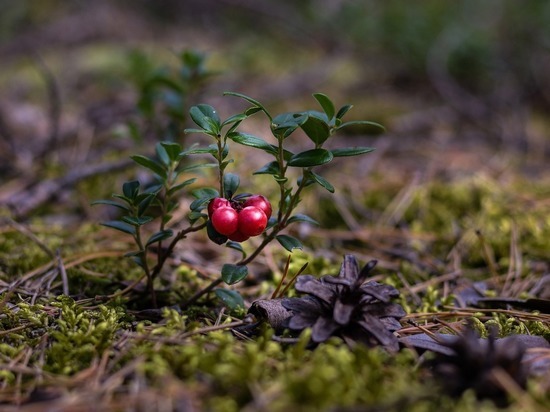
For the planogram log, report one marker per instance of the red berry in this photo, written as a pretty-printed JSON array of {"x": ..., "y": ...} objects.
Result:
[
  {"x": 238, "y": 237},
  {"x": 261, "y": 203},
  {"x": 216, "y": 203},
  {"x": 252, "y": 221},
  {"x": 225, "y": 220}
]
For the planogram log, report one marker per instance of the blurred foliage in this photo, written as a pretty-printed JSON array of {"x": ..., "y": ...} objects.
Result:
[
  {"x": 166, "y": 93},
  {"x": 480, "y": 46}
]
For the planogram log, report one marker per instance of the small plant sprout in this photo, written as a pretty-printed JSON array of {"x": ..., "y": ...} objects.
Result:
[{"x": 230, "y": 218}]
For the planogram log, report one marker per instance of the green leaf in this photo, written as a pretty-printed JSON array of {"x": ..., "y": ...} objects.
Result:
[
  {"x": 231, "y": 298},
  {"x": 191, "y": 130},
  {"x": 302, "y": 218},
  {"x": 194, "y": 216},
  {"x": 205, "y": 116},
  {"x": 237, "y": 118},
  {"x": 231, "y": 183},
  {"x": 180, "y": 186},
  {"x": 289, "y": 242},
  {"x": 189, "y": 168},
  {"x": 285, "y": 124},
  {"x": 120, "y": 226},
  {"x": 343, "y": 110},
  {"x": 137, "y": 221},
  {"x": 316, "y": 127},
  {"x": 205, "y": 192},
  {"x": 326, "y": 104},
  {"x": 252, "y": 110},
  {"x": 145, "y": 203},
  {"x": 351, "y": 151},
  {"x": 133, "y": 253},
  {"x": 130, "y": 189},
  {"x": 200, "y": 150},
  {"x": 172, "y": 149},
  {"x": 139, "y": 260},
  {"x": 158, "y": 236},
  {"x": 236, "y": 246},
  {"x": 124, "y": 198},
  {"x": 232, "y": 274},
  {"x": 309, "y": 158},
  {"x": 213, "y": 234},
  {"x": 111, "y": 203},
  {"x": 254, "y": 102},
  {"x": 150, "y": 164},
  {"x": 272, "y": 168},
  {"x": 153, "y": 189},
  {"x": 199, "y": 204},
  {"x": 322, "y": 181},
  {"x": 252, "y": 141},
  {"x": 162, "y": 154},
  {"x": 373, "y": 127}
]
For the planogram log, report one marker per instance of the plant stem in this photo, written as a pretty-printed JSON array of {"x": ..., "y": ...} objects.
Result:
[
  {"x": 164, "y": 206},
  {"x": 281, "y": 224},
  {"x": 281, "y": 178},
  {"x": 268, "y": 239},
  {"x": 145, "y": 266},
  {"x": 220, "y": 165},
  {"x": 170, "y": 248}
]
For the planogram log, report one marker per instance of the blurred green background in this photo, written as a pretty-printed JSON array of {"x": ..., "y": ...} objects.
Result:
[{"x": 465, "y": 73}]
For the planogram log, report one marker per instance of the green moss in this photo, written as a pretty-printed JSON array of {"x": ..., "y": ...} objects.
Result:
[{"x": 64, "y": 338}]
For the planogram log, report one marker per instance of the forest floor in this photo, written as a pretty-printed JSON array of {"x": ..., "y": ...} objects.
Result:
[{"x": 453, "y": 206}]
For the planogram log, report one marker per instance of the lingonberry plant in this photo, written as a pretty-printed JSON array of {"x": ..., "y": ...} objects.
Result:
[{"x": 230, "y": 218}]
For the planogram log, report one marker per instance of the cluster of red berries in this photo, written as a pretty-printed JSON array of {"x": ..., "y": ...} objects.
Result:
[{"x": 239, "y": 220}]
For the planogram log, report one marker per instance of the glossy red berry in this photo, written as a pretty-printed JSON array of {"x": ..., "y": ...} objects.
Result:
[
  {"x": 216, "y": 203},
  {"x": 261, "y": 203},
  {"x": 252, "y": 221},
  {"x": 238, "y": 236},
  {"x": 225, "y": 220}
]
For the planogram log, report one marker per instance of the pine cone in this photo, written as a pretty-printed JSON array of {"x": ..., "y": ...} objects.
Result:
[
  {"x": 346, "y": 306},
  {"x": 474, "y": 362}
]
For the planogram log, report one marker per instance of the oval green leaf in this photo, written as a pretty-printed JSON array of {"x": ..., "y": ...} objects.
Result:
[
  {"x": 120, "y": 226},
  {"x": 137, "y": 221},
  {"x": 206, "y": 192},
  {"x": 232, "y": 274},
  {"x": 150, "y": 164},
  {"x": 272, "y": 168},
  {"x": 180, "y": 186},
  {"x": 252, "y": 141},
  {"x": 160, "y": 235},
  {"x": 130, "y": 189},
  {"x": 316, "y": 127},
  {"x": 372, "y": 127},
  {"x": 234, "y": 119},
  {"x": 231, "y": 298},
  {"x": 309, "y": 158},
  {"x": 289, "y": 242},
  {"x": 236, "y": 246},
  {"x": 343, "y": 110},
  {"x": 205, "y": 116},
  {"x": 285, "y": 124},
  {"x": 303, "y": 219},
  {"x": 254, "y": 102},
  {"x": 145, "y": 203},
  {"x": 172, "y": 149},
  {"x": 231, "y": 183},
  {"x": 320, "y": 180},
  {"x": 351, "y": 151},
  {"x": 326, "y": 104},
  {"x": 111, "y": 203}
]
